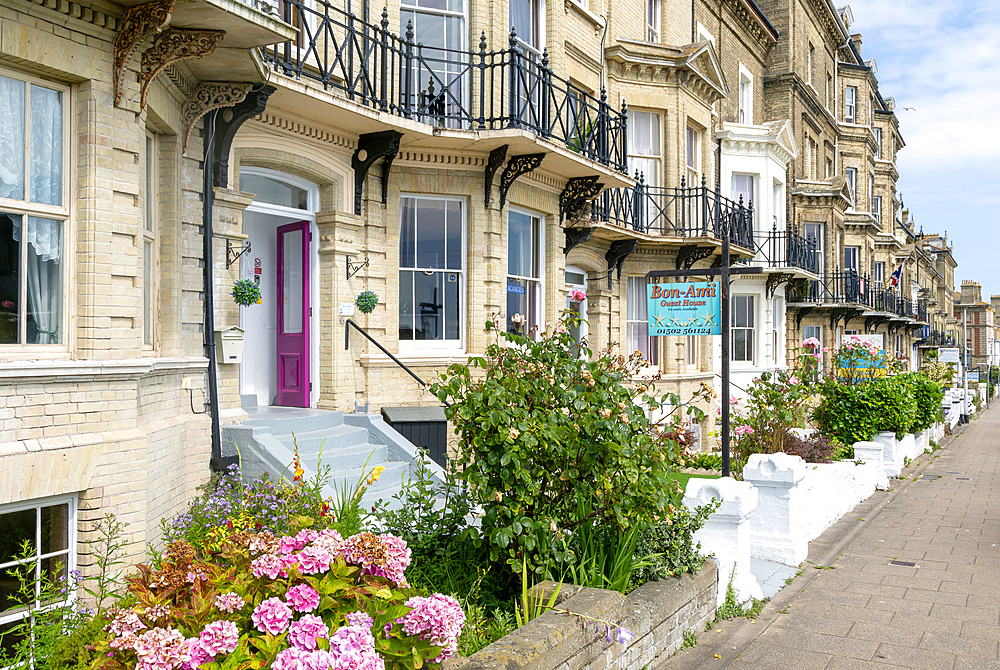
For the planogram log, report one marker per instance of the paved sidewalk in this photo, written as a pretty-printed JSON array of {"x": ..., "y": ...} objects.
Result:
[{"x": 853, "y": 608}]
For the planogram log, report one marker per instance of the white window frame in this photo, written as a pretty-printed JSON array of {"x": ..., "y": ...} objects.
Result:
[
  {"x": 654, "y": 20},
  {"x": 638, "y": 284},
  {"x": 692, "y": 155},
  {"x": 637, "y": 118},
  {"x": 13, "y": 616},
  {"x": 871, "y": 191},
  {"x": 854, "y": 250},
  {"x": 813, "y": 331},
  {"x": 149, "y": 240},
  {"x": 829, "y": 89},
  {"x": 852, "y": 184},
  {"x": 443, "y": 344},
  {"x": 540, "y": 280},
  {"x": 850, "y": 104},
  {"x": 810, "y": 62},
  {"x": 878, "y": 273},
  {"x": 878, "y": 142},
  {"x": 536, "y": 43},
  {"x": 751, "y": 195},
  {"x": 751, "y": 328},
  {"x": 63, "y": 213},
  {"x": 745, "y": 96},
  {"x": 777, "y": 321},
  {"x": 691, "y": 351},
  {"x": 581, "y": 308},
  {"x": 877, "y": 208}
]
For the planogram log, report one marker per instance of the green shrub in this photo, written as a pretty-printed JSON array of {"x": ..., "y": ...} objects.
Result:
[
  {"x": 894, "y": 405},
  {"x": 545, "y": 431},
  {"x": 852, "y": 413},
  {"x": 928, "y": 395},
  {"x": 671, "y": 546}
]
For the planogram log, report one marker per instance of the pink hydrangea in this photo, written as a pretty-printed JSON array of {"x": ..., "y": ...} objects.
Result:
[
  {"x": 124, "y": 641},
  {"x": 220, "y": 637},
  {"x": 272, "y": 616},
  {"x": 360, "y": 619},
  {"x": 126, "y": 621},
  {"x": 161, "y": 649},
  {"x": 303, "y": 633},
  {"x": 291, "y": 545},
  {"x": 229, "y": 602},
  {"x": 793, "y": 380},
  {"x": 267, "y": 565},
  {"x": 353, "y": 648},
  {"x": 330, "y": 540},
  {"x": 302, "y": 598},
  {"x": 740, "y": 431},
  {"x": 197, "y": 653},
  {"x": 438, "y": 618},
  {"x": 313, "y": 560},
  {"x": 291, "y": 659},
  {"x": 396, "y": 556}
]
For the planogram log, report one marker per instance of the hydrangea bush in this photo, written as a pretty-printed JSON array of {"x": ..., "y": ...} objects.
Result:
[{"x": 311, "y": 601}]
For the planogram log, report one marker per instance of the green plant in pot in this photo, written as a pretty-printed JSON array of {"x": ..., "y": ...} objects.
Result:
[
  {"x": 246, "y": 292},
  {"x": 366, "y": 302}
]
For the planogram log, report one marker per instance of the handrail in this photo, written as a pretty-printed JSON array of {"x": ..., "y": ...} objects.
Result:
[{"x": 347, "y": 345}]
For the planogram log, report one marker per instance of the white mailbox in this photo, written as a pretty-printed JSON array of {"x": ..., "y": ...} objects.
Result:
[{"x": 229, "y": 345}]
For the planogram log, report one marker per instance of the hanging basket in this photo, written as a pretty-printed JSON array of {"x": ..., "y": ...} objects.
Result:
[
  {"x": 366, "y": 302},
  {"x": 246, "y": 292}
]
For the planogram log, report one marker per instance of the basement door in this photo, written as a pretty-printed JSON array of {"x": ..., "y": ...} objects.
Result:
[{"x": 292, "y": 339}]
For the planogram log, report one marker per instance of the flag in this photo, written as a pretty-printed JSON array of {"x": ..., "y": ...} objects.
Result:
[{"x": 895, "y": 277}]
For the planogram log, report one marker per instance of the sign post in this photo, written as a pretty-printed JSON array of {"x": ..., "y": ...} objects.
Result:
[{"x": 723, "y": 274}]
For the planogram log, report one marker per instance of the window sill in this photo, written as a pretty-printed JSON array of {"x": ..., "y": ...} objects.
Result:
[
  {"x": 596, "y": 20},
  {"x": 31, "y": 369},
  {"x": 414, "y": 359}
]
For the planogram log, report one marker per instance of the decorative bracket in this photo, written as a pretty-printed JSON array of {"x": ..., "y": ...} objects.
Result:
[
  {"x": 139, "y": 23},
  {"x": 575, "y": 236},
  {"x": 493, "y": 163},
  {"x": 873, "y": 322},
  {"x": 207, "y": 96},
  {"x": 577, "y": 192},
  {"x": 616, "y": 255},
  {"x": 226, "y": 126},
  {"x": 173, "y": 46},
  {"x": 517, "y": 166},
  {"x": 371, "y": 147},
  {"x": 689, "y": 254},
  {"x": 232, "y": 255},
  {"x": 354, "y": 268},
  {"x": 838, "y": 313},
  {"x": 803, "y": 313},
  {"x": 775, "y": 280}
]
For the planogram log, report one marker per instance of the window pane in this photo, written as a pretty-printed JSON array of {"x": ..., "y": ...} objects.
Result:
[
  {"x": 274, "y": 192},
  {"x": 12, "y": 131},
  {"x": 10, "y": 600},
  {"x": 10, "y": 277},
  {"x": 454, "y": 241},
  {"x": 44, "y": 269},
  {"x": 9, "y": 639},
  {"x": 428, "y": 294},
  {"x": 15, "y": 528},
  {"x": 55, "y": 528},
  {"x": 431, "y": 234},
  {"x": 147, "y": 293},
  {"x": 291, "y": 282},
  {"x": 406, "y": 305},
  {"x": 46, "y": 146},
  {"x": 408, "y": 234},
  {"x": 519, "y": 245},
  {"x": 451, "y": 305},
  {"x": 150, "y": 193}
]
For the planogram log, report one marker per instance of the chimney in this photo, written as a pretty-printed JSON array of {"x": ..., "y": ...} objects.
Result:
[
  {"x": 972, "y": 292},
  {"x": 856, "y": 38}
]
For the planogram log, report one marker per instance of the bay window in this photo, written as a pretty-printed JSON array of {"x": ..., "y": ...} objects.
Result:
[
  {"x": 524, "y": 271},
  {"x": 743, "y": 324},
  {"x": 33, "y": 213},
  {"x": 431, "y": 266},
  {"x": 644, "y": 145},
  {"x": 637, "y": 323}
]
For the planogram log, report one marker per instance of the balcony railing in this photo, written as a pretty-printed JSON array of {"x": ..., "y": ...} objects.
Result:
[
  {"x": 670, "y": 211},
  {"x": 937, "y": 338},
  {"x": 786, "y": 249},
  {"x": 852, "y": 288},
  {"x": 449, "y": 88}
]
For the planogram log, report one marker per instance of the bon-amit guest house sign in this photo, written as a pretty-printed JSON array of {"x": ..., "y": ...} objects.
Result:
[{"x": 684, "y": 308}]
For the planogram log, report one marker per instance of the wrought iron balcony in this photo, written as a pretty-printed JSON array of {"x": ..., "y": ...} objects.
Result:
[
  {"x": 668, "y": 211},
  {"x": 786, "y": 249},
  {"x": 482, "y": 89},
  {"x": 935, "y": 338}
]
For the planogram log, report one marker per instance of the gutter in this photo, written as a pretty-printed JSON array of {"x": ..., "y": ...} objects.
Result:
[{"x": 208, "y": 200}]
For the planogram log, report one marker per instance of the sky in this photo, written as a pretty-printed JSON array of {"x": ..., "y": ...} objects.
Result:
[{"x": 942, "y": 59}]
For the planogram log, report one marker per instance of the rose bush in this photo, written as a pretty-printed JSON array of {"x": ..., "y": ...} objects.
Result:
[{"x": 312, "y": 601}]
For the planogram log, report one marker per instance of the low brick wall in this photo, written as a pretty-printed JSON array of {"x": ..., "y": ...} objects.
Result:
[{"x": 657, "y": 613}]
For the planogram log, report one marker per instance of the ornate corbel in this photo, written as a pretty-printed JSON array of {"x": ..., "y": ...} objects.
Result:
[
  {"x": 371, "y": 147},
  {"x": 139, "y": 23},
  {"x": 577, "y": 192},
  {"x": 775, "y": 280},
  {"x": 803, "y": 313},
  {"x": 207, "y": 96},
  {"x": 837, "y": 314},
  {"x": 228, "y": 123},
  {"x": 616, "y": 255},
  {"x": 517, "y": 166},
  {"x": 689, "y": 254},
  {"x": 172, "y": 46},
  {"x": 576, "y": 236},
  {"x": 873, "y": 322},
  {"x": 496, "y": 159}
]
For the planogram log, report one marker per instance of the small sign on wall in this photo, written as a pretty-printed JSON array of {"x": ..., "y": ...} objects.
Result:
[
  {"x": 948, "y": 355},
  {"x": 346, "y": 309}
]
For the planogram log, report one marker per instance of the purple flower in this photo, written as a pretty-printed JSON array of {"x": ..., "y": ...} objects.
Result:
[
  {"x": 360, "y": 618},
  {"x": 625, "y": 635}
]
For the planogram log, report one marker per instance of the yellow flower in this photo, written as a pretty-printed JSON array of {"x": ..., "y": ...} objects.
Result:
[{"x": 375, "y": 474}]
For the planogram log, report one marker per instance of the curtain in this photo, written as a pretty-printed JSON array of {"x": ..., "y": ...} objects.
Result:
[
  {"x": 12, "y": 132},
  {"x": 44, "y": 271},
  {"x": 46, "y": 146}
]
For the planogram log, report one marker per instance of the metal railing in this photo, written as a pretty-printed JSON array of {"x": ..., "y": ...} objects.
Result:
[
  {"x": 449, "y": 88},
  {"x": 349, "y": 323},
  {"x": 937, "y": 338},
  {"x": 786, "y": 249},
  {"x": 851, "y": 288},
  {"x": 684, "y": 211}
]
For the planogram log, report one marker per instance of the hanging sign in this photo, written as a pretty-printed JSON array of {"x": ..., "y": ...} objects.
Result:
[
  {"x": 685, "y": 308},
  {"x": 948, "y": 355}
]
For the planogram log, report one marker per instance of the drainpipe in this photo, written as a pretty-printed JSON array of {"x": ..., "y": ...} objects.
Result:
[{"x": 208, "y": 197}]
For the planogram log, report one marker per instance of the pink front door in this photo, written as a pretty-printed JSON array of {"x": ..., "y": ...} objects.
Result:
[{"x": 293, "y": 315}]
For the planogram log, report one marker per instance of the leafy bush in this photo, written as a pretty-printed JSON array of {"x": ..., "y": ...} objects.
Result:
[
  {"x": 815, "y": 448},
  {"x": 670, "y": 544},
  {"x": 854, "y": 412},
  {"x": 545, "y": 431},
  {"x": 705, "y": 461},
  {"x": 928, "y": 395},
  {"x": 314, "y": 599}
]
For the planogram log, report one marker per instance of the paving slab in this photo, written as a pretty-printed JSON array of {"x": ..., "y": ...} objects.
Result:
[{"x": 942, "y": 613}]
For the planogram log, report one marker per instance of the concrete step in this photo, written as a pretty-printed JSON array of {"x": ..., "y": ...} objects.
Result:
[
  {"x": 285, "y": 420},
  {"x": 330, "y": 440},
  {"x": 391, "y": 477},
  {"x": 348, "y": 458}
]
